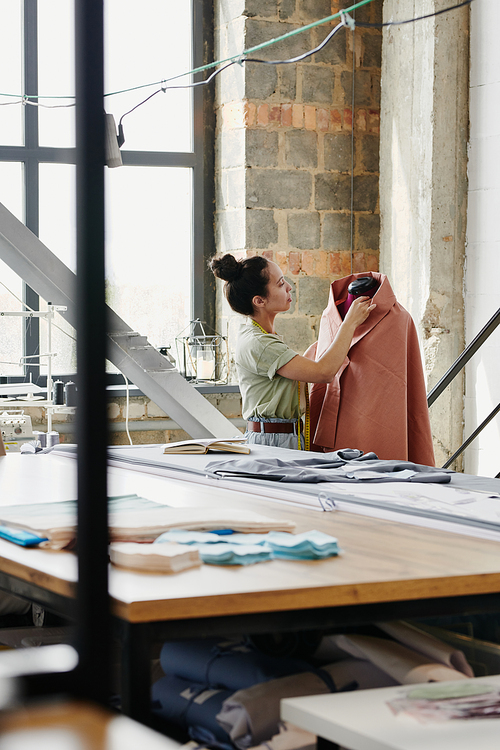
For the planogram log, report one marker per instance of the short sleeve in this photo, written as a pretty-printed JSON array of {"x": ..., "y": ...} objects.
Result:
[{"x": 274, "y": 355}]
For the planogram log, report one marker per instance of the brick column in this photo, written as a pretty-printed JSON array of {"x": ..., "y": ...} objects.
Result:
[{"x": 285, "y": 148}]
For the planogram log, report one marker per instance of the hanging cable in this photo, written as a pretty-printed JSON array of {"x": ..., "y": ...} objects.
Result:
[
  {"x": 200, "y": 69},
  {"x": 121, "y": 136},
  {"x": 240, "y": 60},
  {"x": 27, "y": 98},
  {"x": 48, "y": 106},
  {"x": 299, "y": 57},
  {"x": 367, "y": 25}
]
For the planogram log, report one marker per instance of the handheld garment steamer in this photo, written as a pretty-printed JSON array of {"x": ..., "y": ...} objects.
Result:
[{"x": 366, "y": 286}]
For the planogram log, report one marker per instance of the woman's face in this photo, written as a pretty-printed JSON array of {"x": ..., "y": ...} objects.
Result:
[{"x": 278, "y": 290}]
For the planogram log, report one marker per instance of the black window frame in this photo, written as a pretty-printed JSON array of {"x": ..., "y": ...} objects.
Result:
[{"x": 200, "y": 160}]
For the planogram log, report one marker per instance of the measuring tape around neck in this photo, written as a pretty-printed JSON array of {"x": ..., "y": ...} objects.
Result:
[{"x": 307, "y": 418}]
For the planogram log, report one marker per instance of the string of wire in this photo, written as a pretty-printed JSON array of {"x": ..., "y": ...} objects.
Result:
[
  {"x": 296, "y": 59},
  {"x": 366, "y": 25},
  {"x": 243, "y": 56}
]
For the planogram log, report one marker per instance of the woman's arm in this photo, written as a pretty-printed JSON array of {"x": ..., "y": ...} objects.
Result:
[{"x": 325, "y": 369}]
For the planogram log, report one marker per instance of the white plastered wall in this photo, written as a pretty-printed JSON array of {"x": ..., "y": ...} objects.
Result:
[{"x": 482, "y": 287}]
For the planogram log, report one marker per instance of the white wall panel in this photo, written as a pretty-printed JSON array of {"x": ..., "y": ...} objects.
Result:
[{"x": 482, "y": 297}]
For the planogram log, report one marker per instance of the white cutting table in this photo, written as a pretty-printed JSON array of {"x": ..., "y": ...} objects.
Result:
[
  {"x": 362, "y": 720},
  {"x": 387, "y": 571}
]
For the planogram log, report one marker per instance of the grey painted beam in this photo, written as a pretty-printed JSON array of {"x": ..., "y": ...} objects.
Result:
[{"x": 131, "y": 353}]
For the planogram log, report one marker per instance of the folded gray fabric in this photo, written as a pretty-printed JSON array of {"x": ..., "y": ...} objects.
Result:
[{"x": 329, "y": 467}]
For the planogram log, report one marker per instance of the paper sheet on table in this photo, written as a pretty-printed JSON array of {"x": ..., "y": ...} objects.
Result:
[{"x": 428, "y": 501}]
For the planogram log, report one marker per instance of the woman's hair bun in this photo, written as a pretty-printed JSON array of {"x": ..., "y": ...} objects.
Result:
[{"x": 226, "y": 267}]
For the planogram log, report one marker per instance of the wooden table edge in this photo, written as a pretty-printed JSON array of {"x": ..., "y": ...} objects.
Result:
[{"x": 252, "y": 602}]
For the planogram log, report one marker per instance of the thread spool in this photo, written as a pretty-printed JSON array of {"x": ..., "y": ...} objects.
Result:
[
  {"x": 58, "y": 392},
  {"x": 40, "y": 437},
  {"x": 70, "y": 394},
  {"x": 52, "y": 438}
]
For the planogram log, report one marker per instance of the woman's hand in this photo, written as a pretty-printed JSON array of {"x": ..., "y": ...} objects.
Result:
[
  {"x": 359, "y": 311},
  {"x": 326, "y": 367}
]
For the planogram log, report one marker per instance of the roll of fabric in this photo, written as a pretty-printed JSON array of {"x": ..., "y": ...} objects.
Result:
[
  {"x": 401, "y": 663},
  {"x": 435, "y": 649},
  {"x": 189, "y": 705},
  {"x": 229, "y": 664}
]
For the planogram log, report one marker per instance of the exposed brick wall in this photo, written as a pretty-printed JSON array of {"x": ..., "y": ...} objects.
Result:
[{"x": 287, "y": 138}]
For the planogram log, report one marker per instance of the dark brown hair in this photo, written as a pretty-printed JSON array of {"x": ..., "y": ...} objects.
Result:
[{"x": 244, "y": 279}]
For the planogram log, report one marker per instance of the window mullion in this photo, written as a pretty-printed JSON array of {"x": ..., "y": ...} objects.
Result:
[
  {"x": 201, "y": 249},
  {"x": 31, "y": 338}
]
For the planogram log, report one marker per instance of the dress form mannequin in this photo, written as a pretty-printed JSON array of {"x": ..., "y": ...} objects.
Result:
[
  {"x": 366, "y": 286},
  {"x": 377, "y": 400}
]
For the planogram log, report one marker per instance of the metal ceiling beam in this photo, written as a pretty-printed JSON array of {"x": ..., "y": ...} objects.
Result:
[{"x": 130, "y": 352}]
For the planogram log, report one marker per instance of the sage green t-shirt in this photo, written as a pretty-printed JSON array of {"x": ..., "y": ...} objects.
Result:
[{"x": 263, "y": 392}]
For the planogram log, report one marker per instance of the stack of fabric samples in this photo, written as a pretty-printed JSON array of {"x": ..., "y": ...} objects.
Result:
[
  {"x": 167, "y": 558},
  {"x": 228, "y": 548},
  {"x": 435, "y": 702}
]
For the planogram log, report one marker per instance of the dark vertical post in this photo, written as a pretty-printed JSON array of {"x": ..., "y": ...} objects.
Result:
[
  {"x": 31, "y": 339},
  {"x": 198, "y": 274},
  {"x": 93, "y": 623}
]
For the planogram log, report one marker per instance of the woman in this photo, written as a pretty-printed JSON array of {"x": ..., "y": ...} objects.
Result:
[{"x": 271, "y": 375}]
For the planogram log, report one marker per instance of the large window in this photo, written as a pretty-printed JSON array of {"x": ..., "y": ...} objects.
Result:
[{"x": 155, "y": 205}]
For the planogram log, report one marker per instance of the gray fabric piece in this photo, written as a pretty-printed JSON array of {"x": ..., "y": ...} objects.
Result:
[
  {"x": 150, "y": 458},
  {"x": 337, "y": 466}
]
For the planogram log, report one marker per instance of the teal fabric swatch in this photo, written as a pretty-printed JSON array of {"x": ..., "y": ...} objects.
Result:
[{"x": 248, "y": 548}]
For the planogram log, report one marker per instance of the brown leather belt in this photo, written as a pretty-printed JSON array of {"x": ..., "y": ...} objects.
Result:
[{"x": 272, "y": 426}]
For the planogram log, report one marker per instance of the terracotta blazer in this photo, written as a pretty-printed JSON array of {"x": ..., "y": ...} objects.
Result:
[{"x": 377, "y": 401}]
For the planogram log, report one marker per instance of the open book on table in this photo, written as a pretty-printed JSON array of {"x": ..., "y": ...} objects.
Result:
[{"x": 203, "y": 445}]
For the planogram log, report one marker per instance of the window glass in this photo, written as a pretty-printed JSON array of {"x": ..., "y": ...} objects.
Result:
[
  {"x": 63, "y": 344},
  {"x": 56, "y": 72},
  {"x": 149, "y": 210},
  {"x": 143, "y": 48},
  {"x": 57, "y": 230},
  {"x": 57, "y": 222},
  {"x": 11, "y": 110},
  {"x": 11, "y": 328},
  {"x": 11, "y": 286},
  {"x": 148, "y": 249},
  {"x": 11, "y": 187}
]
